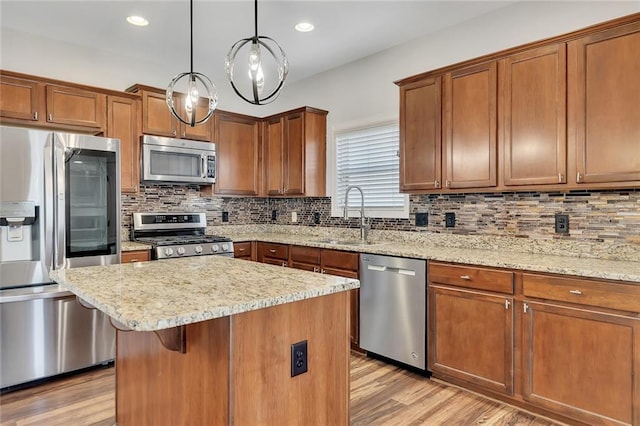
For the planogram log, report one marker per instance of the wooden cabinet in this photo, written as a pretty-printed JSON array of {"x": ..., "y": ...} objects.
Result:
[
  {"x": 273, "y": 253},
  {"x": 580, "y": 360},
  {"x": 158, "y": 120},
  {"x": 295, "y": 153},
  {"x": 237, "y": 140},
  {"x": 135, "y": 256},
  {"x": 47, "y": 103},
  {"x": 305, "y": 258},
  {"x": 420, "y": 135},
  {"x": 470, "y": 127},
  {"x": 470, "y": 331},
  {"x": 533, "y": 117},
  {"x": 244, "y": 250},
  {"x": 122, "y": 123},
  {"x": 604, "y": 94},
  {"x": 22, "y": 99}
]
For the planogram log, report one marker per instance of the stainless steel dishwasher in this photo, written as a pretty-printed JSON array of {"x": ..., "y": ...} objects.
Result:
[{"x": 393, "y": 308}]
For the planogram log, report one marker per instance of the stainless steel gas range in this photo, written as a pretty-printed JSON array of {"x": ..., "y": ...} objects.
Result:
[{"x": 174, "y": 235}]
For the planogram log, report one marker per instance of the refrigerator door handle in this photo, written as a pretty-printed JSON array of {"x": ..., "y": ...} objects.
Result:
[
  {"x": 49, "y": 206},
  {"x": 59, "y": 202}
]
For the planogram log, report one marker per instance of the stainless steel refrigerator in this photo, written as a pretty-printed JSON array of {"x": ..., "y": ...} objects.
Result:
[{"x": 59, "y": 208}]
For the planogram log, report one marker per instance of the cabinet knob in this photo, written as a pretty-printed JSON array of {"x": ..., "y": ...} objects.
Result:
[
  {"x": 447, "y": 183},
  {"x": 240, "y": 249},
  {"x": 315, "y": 269},
  {"x": 50, "y": 117},
  {"x": 507, "y": 303},
  {"x": 284, "y": 264},
  {"x": 272, "y": 250},
  {"x": 175, "y": 132},
  {"x": 465, "y": 277},
  {"x": 579, "y": 177},
  {"x": 322, "y": 271},
  {"x": 560, "y": 177},
  {"x": 35, "y": 115},
  {"x": 436, "y": 184},
  {"x": 576, "y": 292}
]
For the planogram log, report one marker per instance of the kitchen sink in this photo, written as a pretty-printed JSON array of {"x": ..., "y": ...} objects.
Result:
[{"x": 334, "y": 241}]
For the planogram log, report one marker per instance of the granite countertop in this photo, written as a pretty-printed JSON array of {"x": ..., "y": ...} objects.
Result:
[
  {"x": 501, "y": 255},
  {"x": 134, "y": 245},
  {"x": 148, "y": 296}
]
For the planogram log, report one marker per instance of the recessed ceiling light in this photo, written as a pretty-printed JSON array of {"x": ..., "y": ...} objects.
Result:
[
  {"x": 304, "y": 27},
  {"x": 137, "y": 20}
]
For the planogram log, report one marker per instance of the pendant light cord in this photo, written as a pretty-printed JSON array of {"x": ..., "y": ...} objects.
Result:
[
  {"x": 256, "y": 20},
  {"x": 191, "y": 29}
]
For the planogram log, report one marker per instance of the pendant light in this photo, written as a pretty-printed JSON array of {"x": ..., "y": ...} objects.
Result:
[
  {"x": 257, "y": 72},
  {"x": 198, "y": 85}
]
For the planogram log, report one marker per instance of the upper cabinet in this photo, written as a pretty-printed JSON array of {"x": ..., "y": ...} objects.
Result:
[
  {"x": 295, "y": 153},
  {"x": 604, "y": 93},
  {"x": 237, "y": 139},
  {"x": 158, "y": 120},
  {"x": 122, "y": 123},
  {"x": 38, "y": 102},
  {"x": 555, "y": 115},
  {"x": 533, "y": 116},
  {"x": 420, "y": 136},
  {"x": 470, "y": 122}
]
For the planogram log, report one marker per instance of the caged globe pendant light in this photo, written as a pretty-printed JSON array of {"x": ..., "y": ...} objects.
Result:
[
  {"x": 259, "y": 76},
  {"x": 193, "y": 93}
]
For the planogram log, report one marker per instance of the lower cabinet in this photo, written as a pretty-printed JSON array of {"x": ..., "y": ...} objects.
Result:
[
  {"x": 470, "y": 331},
  {"x": 244, "y": 250},
  {"x": 272, "y": 253}
]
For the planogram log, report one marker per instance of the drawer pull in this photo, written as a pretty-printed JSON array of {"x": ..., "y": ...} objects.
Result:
[
  {"x": 240, "y": 249},
  {"x": 576, "y": 292},
  {"x": 272, "y": 250},
  {"x": 465, "y": 277},
  {"x": 135, "y": 259}
]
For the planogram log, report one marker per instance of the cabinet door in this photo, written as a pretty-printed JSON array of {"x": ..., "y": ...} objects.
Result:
[
  {"x": 420, "y": 135},
  {"x": 471, "y": 337},
  {"x": 533, "y": 119},
  {"x": 273, "y": 153},
  {"x": 156, "y": 117},
  {"x": 293, "y": 155},
  {"x": 470, "y": 122},
  {"x": 122, "y": 123},
  {"x": 341, "y": 263},
  {"x": 269, "y": 252},
  {"x": 201, "y": 132},
  {"x": 243, "y": 251},
  {"x": 582, "y": 364},
  {"x": 306, "y": 258},
  {"x": 237, "y": 151},
  {"x": 21, "y": 99},
  {"x": 76, "y": 107},
  {"x": 604, "y": 107}
]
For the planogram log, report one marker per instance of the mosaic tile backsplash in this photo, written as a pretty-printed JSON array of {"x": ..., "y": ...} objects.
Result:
[{"x": 596, "y": 216}]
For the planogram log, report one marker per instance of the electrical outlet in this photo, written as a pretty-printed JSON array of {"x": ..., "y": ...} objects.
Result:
[
  {"x": 316, "y": 218},
  {"x": 274, "y": 214},
  {"x": 562, "y": 224},
  {"x": 450, "y": 220},
  {"x": 422, "y": 219},
  {"x": 225, "y": 216},
  {"x": 298, "y": 358},
  {"x": 294, "y": 217}
]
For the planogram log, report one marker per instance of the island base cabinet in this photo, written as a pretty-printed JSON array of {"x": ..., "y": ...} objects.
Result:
[
  {"x": 581, "y": 363},
  {"x": 471, "y": 337},
  {"x": 237, "y": 370}
]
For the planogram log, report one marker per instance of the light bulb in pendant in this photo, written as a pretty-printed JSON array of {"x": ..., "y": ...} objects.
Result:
[
  {"x": 255, "y": 68},
  {"x": 191, "y": 100}
]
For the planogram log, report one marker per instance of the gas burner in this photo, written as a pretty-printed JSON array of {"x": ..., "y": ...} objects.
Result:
[{"x": 175, "y": 235}]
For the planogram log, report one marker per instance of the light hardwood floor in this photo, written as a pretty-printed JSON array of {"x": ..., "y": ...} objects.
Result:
[{"x": 381, "y": 394}]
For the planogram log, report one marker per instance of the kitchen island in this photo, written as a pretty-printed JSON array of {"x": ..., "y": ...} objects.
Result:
[{"x": 207, "y": 340}]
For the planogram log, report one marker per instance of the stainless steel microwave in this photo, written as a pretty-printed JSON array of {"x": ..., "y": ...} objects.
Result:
[{"x": 178, "y": 160}]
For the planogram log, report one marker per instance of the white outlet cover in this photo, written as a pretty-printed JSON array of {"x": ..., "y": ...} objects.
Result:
[{"x": 294, "y": 217}]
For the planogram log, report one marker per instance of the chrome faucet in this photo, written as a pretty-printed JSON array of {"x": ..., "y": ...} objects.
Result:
[{"x": 364, "y": 224}]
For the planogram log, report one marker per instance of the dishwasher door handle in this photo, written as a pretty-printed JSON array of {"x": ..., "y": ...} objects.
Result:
[{"x": 400, "y": 271}]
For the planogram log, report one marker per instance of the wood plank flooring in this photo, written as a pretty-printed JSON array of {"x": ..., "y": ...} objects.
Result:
[{"x": 381, "y": 394}]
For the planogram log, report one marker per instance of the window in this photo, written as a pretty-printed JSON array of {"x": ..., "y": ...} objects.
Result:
[{"x": 368, "y": 158}]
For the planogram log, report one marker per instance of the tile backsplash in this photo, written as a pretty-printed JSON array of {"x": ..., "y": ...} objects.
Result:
[{"x": 611, "y": 216}]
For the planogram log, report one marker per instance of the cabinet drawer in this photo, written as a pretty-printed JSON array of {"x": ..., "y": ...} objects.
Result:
[
  {"x": 242, "y": 250},
  {"x": 343, "y": 260},
  {"x": 274, "y": 251},
  {"x": 134, "y": 256},
  {"x": 624, "y": 297},
  {"x": 303, "y": 254},
  {"x": 471, "y": 277}
]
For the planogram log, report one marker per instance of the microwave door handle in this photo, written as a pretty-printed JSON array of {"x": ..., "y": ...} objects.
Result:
[
  {"x": 59, "y": 202},
  {"x": 203, "y": 160}
]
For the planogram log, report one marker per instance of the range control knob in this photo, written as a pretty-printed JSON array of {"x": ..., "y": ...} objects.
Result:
[
  {"x": 198, "y": 249},
  {"x": 168, "y": 251},
  {"x": 180, "y": 251},
  {"x": 214, "y": 248},
  {"x": 225, "y": 247}
]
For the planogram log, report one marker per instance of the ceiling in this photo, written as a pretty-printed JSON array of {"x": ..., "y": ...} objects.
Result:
[{"x": 344, "y": 30}]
